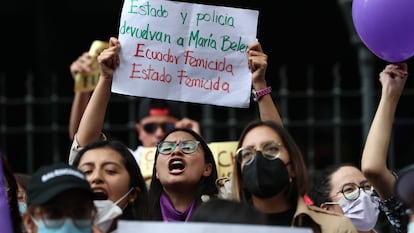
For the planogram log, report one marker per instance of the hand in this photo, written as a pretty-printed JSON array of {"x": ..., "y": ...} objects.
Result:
[
  {"x": 81, "y": 65},
  {"x": 393, "y": 79},
  {"x": 188, "y": 123},
  {"x": 257, "y": 62},
  {"x": 109, "y": 59},
  {"x": 95, "y": 229}
]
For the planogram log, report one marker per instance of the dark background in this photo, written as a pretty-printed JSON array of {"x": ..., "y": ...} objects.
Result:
[{"x": 47, "y": 36}]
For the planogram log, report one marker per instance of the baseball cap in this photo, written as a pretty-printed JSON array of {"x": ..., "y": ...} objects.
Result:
[
  {"x": 404, "y": 186},
  {"x": 49, "y": 181},
  {"x": 154, "y": 107}
]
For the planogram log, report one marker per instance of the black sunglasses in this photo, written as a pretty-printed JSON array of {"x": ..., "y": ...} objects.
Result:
[{"x": 151, "y": 127}]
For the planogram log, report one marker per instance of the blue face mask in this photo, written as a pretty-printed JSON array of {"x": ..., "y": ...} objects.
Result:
[
  {"x": 22, "y": 207},
  {"x": 67, "y": 227}
]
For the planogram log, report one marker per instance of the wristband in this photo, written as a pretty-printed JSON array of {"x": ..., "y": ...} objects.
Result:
[{"x": 257, "y": 95}]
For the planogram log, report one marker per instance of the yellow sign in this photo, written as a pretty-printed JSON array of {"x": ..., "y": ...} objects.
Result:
[
  {"x": 223, "y": 152},
  {"x": 87, "y": 82}
]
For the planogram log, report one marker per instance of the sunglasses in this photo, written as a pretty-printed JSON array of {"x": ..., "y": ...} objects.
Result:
[{"x": 151, "y": 127}]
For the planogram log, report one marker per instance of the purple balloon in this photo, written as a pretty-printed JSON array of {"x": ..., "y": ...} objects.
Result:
[{"x": 386, "y": 27}]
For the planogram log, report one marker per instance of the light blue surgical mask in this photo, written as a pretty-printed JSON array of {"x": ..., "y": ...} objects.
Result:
[
  {"x": 410, "y": 227},
  {"x": 22, "y": 207},
  {"x": 67, "y": 227}
]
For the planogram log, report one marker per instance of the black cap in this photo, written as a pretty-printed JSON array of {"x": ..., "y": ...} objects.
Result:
[
  {"x": 404, "y": 186},
  {"x": 49, "y": 181},
  {"x": 152, "y": 107}
]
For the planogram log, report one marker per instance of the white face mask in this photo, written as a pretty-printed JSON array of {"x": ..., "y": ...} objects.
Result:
[
  {"x": 410, "y": 227},
  {"x": 107, "y": 211},
  {"x": 363, "y": 211}
]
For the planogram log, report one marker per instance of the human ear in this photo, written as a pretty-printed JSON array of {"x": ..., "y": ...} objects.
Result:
[{"x": 207, "y": 169}]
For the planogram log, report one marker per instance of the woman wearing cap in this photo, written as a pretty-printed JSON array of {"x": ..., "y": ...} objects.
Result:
[
  {"x": 374, "y": 157},
  {"x": 60, "y": 200}
]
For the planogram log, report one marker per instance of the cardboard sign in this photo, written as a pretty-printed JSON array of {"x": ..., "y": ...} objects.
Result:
[
  {"x": 185, "y": 52},
  {"x": 197, "y": 227}
]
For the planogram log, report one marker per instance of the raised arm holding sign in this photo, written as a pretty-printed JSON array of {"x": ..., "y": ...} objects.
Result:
[
  {"x": 251, "y": 60},
  {"x": 110, "y": 63}
]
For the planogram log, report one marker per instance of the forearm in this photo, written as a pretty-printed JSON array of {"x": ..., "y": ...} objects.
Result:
[
  {"x": 91, "y": 124},
  {"x": 267, "y": 108},
  {"x": 374, "y": 157},
  {"x": 80, "y": 101}
]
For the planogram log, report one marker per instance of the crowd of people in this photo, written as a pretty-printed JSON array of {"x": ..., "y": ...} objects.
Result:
[{"x": 102, "y": 182}]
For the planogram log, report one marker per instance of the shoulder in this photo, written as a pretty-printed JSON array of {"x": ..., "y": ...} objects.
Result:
[
  {"x": 75, "y": 148},
  {"x": 328, "y": 221},
  {"x": 322, "y": 213}
]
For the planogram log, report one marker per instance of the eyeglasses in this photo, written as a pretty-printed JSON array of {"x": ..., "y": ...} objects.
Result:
[
  {"x": 270, "y": 150},
  {"x": 351, "y": 191},
  {"x": 53, "y": 217},
  {"x": 187, "y": 147},
  {"x": 151, "y": 127}
]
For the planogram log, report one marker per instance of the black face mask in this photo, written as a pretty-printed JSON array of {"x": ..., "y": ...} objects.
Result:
[{"x": 265, "y": 178}]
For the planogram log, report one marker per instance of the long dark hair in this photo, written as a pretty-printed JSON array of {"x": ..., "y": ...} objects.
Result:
[
  {"x": 12, "y": 196},
  {"x": 137, "y": 210},
  {"x": 206, "y": 185},
  {"x": 300, "y": 182}
]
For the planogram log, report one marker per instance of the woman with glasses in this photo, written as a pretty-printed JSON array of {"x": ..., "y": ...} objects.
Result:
[
  {"x": 344, "y": 189},
  {"x": 270, "y": 173},
  {"x": 184, "y": 175},
  {"x": 60, "y": 200},
  {"x": 332, "y": 190},
  {"x": 116, "y": 180},
  {"x": 375, "y": 155}
]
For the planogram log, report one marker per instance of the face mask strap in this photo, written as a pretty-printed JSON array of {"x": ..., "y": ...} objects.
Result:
[{"x": 125, "y": 195}]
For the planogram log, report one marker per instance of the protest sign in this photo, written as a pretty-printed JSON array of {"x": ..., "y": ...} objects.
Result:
[
  {"x": 186, "y": 52},
  {"x": 197, "y": 227}
]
